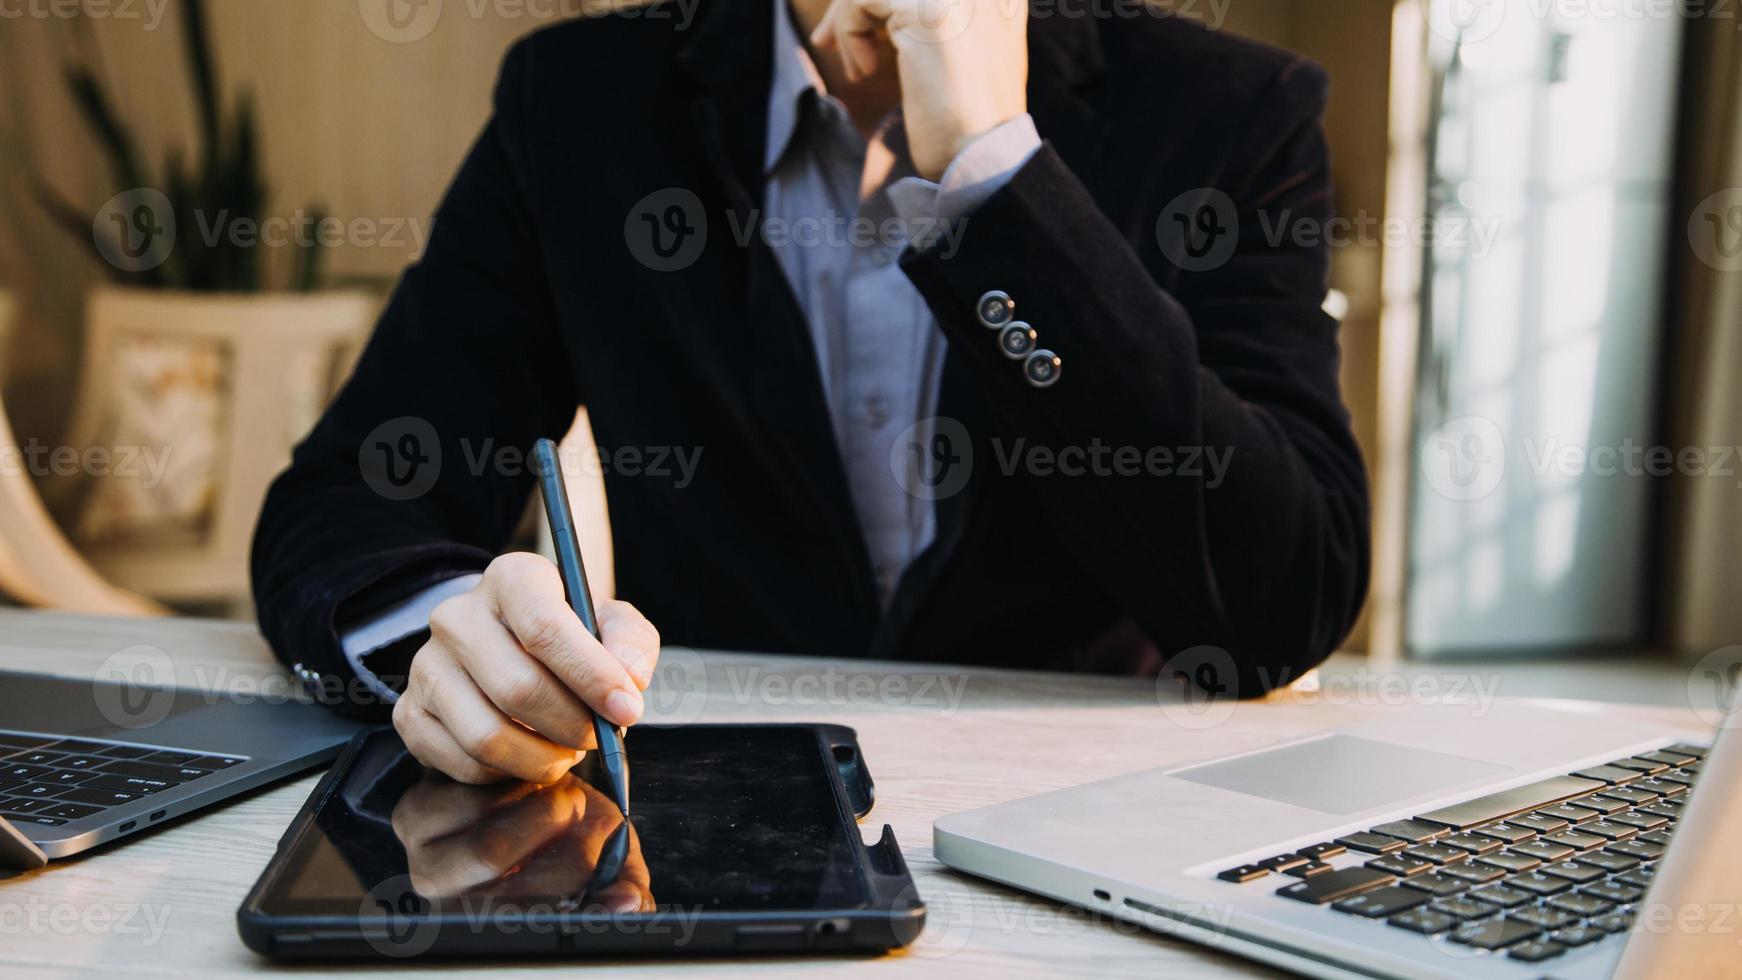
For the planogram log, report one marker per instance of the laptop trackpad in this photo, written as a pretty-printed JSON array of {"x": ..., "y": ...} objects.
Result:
[{"x": 1340, "y": 774}]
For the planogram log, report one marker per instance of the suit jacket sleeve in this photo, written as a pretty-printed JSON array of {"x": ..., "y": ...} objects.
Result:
[
  {"x": 403, "y": 482},
  {"x": 1269, "y": 563}
]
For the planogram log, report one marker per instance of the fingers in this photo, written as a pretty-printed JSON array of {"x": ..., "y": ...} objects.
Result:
[
  {"x": 854, "y": 28},
  {"x": 630, "y": 638},
  {"x": 527, "y": 593},
  {"x": 522, "y": 687},
  {"x": 430, "y": 744},
  {"x": 487, "y": 736}
]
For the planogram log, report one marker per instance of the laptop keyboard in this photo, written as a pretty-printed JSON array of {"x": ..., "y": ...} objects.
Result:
[
  {"x": 49, "y": 780},
  {"x": 1530, "y": 872}
]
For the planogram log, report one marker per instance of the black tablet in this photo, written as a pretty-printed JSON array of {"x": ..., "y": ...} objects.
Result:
[{"x": 741, "y": 838}]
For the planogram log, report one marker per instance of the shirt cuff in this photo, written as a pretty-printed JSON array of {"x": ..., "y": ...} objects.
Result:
[
  {"x": 394, "y": 623},
  {"x": 976, "y": 174}
]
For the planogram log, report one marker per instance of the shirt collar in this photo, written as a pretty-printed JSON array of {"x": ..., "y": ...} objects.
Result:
[{"x": 794, "y": 75}]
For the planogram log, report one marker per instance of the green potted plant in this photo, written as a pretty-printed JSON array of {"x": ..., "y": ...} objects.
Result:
[{"x": 190, "y": 352}]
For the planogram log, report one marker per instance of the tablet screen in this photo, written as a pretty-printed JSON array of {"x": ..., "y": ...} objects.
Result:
[{"x": 723, "y": 819}]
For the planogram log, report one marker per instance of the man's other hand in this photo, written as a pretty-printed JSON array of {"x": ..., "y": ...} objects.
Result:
[
  {"x": 508, "y": 683},
  {"x": 963, "y": 65}
]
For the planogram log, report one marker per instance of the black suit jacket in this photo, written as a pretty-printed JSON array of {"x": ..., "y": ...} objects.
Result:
[{"x": 531, "y": 300}]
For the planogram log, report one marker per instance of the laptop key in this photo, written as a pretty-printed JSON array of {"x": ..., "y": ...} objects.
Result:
[
  {"x": 1282, "y": 862},
  {"x": 1471, "y": 843},
  {"x": 1437, "y": 853},
  {"x": 1370, "y": 843},
  {"x": 1573, "y": 871},
  {"x": 168, "y": 758},
  {"x": 1582, "y": 904},
  {"x": 1638, "y": 764},
  {"x": 127, "y": 784},
  {"x": 1571, "y": 813},
  {"x": 1382, "y": 903},
  {"x": 80, "y": 762},
  {"x": 1319, "y": 852},
  {"x": 24, "y": 771},
  {"x": 1414, "y": 831},
  {"x": 97, "y": 797},
  {"x": 1542, "y": 917},
  {"x": 1682, "y": 779},
  {"x": 1683, "y": 748},
  {"x": 216, "y": 762},
  {"x": 1400, "y": 865},
  {"x": 1539, "y": 823},
  {"x": 1475, "y": 874},
  {"x": 1463, "y": 908},
  {"x": 35, "y": 758},
  {"x": 1436, "y": 884},
  {"x": 1642, "y": 821},
  {"x": 38, "y": 820},
  {"x": 1663, "y": 810},
  {"x": 1660, "y": 786},
  {"x": 1610, "y": 861},
  {"x": 1609, "y": 830},
  {"x": 16, "y": 740},
  {"x": 1514, "y": 860},
  {"x": 41, "y": 790},
  {"x": 1602, "y": 804},
  {"x": 1633, "y": 795},
  {"x": 126, "y": 752},
  {"x": 1614, "y": 891},
  {"x": 1537, "y": 883},
  {"x": 1244, "y": 873},
  {"x": 1614, "y": 922},
  {"x": 24, "y": 806},
  {"x": 1425, "y": 921},
  {"x": 1578, "y": 840},
  {"x": 1493, "y": 933},
  {"x": 1641, "y": 850},
  {"x": 1502, "y": 896},
  {"x": 1505, "y": 832},
  {"x": 1577, "y": 936},
  {"x": 77, "y": 746},
  {"x": 66, "y": 777},
  {"x": 7, "y": 784},
  {"x": 1339, "y": 884},
  {"x": 1614, "y": 775},
  {"x": 1309, "y": 869},
  {"x": 71, "y": 811},
  {"x": 1658, "y": 837},
  {"x": 1506, "y": 803},
  {"x": 171, "y": 774},
  {"x": 1638, "y": 877},
  {"x": 1536, "y": 951}
]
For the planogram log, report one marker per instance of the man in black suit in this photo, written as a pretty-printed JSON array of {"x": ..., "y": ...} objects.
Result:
[{"x": 971, "y": 327}]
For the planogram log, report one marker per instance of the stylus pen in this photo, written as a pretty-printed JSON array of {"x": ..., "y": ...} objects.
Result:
[{"x": 568, "y": 559}]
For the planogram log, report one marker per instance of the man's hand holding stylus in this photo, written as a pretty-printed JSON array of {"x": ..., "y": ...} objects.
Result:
[{"x": 507, "y": 685}]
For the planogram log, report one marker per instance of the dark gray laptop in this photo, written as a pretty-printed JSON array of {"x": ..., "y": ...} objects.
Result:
[{"x": 85, "y": 762}]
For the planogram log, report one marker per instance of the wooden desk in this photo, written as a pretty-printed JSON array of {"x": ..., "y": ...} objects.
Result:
[{"x": 938, "y": 740}]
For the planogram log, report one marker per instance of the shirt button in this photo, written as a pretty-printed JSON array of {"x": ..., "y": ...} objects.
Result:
[
  {"x": 877, "y": 411},
  {"x": 1018, "y": 340}
]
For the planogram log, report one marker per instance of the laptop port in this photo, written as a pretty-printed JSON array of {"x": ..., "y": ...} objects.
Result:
[
  {"x": 158, "y": 815},
  {"x": 129, "y": 825}
]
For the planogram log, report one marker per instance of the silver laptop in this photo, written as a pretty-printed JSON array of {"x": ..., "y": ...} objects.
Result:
[
  {"x": 1541, "y": 839},
  {"x": 83, "y": 762}
]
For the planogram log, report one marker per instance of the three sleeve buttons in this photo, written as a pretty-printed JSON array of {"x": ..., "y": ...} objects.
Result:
[{"x": 1018, "y": 340}]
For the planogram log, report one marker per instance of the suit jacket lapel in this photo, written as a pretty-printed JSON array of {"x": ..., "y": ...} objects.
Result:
[{"x": 730, "y": 57}]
